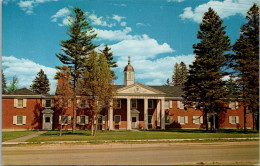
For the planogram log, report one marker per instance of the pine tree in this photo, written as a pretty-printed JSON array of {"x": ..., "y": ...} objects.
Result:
[
  {"x": 64, "y": 91},
  {"x": 204, "y": 83},
  {"x": 3, "y": 83},
  {"x": 41, "y": 83},
  {"x": 232, "y": 87},
  {"x": 109, "y": 56},
  {"x": 97, "y": 83},
  {"x": 246, "y": 62},
  {"x": 180, "y": 74},
  {"x": 76, "y": 50},
  {"x": 176, "y": 77}
]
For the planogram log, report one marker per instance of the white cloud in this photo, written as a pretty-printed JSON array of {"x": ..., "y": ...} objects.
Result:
[
  {"x": 155, "y": 72},
  {"x": 62, "y": 13},
  {"x": 140, "y": 24},
  {"x": 115, "y": 35},
  {"x": 28, "y": 5},
  {"x": 140, "y": 47},
  {"x": 99, "y": 21},
  {"x": 26, "y": 71},
  {"x": 123, "y": 24},
  {"x": 117, "y": 17},
  {"x": 224, "y": 9}
]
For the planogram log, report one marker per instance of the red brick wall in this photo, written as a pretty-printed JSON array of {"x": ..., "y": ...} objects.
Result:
[{"x": 31, "y": 111}]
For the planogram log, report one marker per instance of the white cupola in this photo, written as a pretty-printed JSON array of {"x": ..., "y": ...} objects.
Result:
[{"x": 129, "y": 74}]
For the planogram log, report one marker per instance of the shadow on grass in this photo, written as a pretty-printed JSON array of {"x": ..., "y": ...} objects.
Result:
[{"x": 206, "y": 131}]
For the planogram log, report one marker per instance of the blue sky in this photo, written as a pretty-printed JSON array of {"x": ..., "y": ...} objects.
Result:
[{"x": 155, "y": 33}]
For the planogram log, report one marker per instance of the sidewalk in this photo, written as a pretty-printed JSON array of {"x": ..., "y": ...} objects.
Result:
[{"x": 22, "y": 139}]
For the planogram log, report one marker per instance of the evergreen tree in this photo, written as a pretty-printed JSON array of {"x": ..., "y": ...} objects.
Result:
[
  {"x": 41, "y": 83},
  {"x": 76, "y": 50},
  {"x": 64, "y": 91},
  {"x": 167, "y": 82},
  {"x": 246, "y": 62},
  {"x": 204, "y": 83},
  {"x": 180, "y": 74},
  {"x": 109, "y": 56},
  {"x": 3, "y": 83},
  {"x": 176, "y": 77},
  {"x": 97, "y": 83},
  {"x": 13, "y": 85},
  {"x": 232, "y": 87}
]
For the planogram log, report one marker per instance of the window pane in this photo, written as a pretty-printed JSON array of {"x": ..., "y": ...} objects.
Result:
[
  {"x": 82, "y": 119},
  {"x": 48, "y": 103},
  {"x": 150, "y": 103},
  {"x": 19, "y": 119},
  {"x": 47, "y": 119},
  {"x": 133, "y": 119},
  {"x": 64, "y": 119},
  {"x": 117, "y": 119},
  {"x": 20, "y": 102},
  {"x": 182, "y": 120},
  {"x": 100, "y": 120},
  {"x": 233, "y": 120},
  {"x": 118, "y": 103},
  {"x": 134, "y": 103}
]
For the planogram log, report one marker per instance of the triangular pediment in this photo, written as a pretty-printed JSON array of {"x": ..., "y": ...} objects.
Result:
[{"x": 139, "y": 88}]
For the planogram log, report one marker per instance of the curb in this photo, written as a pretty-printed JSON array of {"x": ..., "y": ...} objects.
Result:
[{"x": 118, "y": 141}]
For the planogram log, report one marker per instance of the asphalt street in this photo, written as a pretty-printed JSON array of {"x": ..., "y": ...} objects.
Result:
[{"x": 133, "y": 154}]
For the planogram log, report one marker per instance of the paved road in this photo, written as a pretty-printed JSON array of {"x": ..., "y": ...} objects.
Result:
[{"x": 129, "y": 154}]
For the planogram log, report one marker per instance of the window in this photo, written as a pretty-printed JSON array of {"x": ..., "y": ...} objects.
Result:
[
  {"x": 180, "y": 105},
  {"x": 118, "y": 104},
  {"x": 234, "y": 119},
  {"x": 100, "y": 120},
  {"x": 64, "y": 119},
  {"x": 197, "y": 119},
  {"x": 167, "y": 104},
  {"x": 82, "y": 120},
  {"x": 19, "y": 120},
  {"x": 20, "y": 103},
  {"x": 150, "y": 104},
  {"x": 150, "y": 119},
  {"x": 233, "y": 105},
  {"x": 134, "y": 103},
  {"x": 48, "y": 103},
  {"x": 47, "y": 119},
  {"x": 117, "y": 120},
  {"x": 183, "y": 119},
  {"x": 168, "y": 119}
]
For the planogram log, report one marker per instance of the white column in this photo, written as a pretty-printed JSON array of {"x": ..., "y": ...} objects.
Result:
[
  {"x": 162, "y": 115},
  {"x": 110, "y": 117},
  {"x": 158, "y": 109},
  {"x": 146, "y": 114},
  {"x": 128, "y": 114}
]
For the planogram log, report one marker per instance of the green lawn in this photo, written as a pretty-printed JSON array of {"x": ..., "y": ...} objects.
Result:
[
  {"x": 8, "y": 135},
  {"x": 82, "y": 135}
]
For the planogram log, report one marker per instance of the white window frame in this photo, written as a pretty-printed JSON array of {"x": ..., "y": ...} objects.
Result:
[
  {"x": 197, "y": 119},
  {"x": 233, "y": 105},
  {"x": 169, "y": 119},
  {"x": 119, "y": 120},
  {"x": 61, "y": 120},
  {"x": 185, "y": 120},
  {"x": 180, "y": 105},
  {"x": 24, "y": 103},
  {"x": 46, "y": 103},
  {"x": 15, "y": 120},
  {"x": 151, "y": 103},
  {"x": 151, "y": 119},
  {"x": 132, "y": 103},
  {"x": 118, "y": 104},
  {"x": 231, "y": 119},
  {"x": 166, "y": 104}
]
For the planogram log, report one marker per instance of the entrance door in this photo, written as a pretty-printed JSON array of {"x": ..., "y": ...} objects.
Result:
[
  {"x": 47, "y": 122},
  {"x": 135, "y": 122}
]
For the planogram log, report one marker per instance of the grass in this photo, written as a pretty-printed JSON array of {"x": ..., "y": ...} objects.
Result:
[
  {"x": 9, "y": 135},
  {"x": 84, "y": 135}
]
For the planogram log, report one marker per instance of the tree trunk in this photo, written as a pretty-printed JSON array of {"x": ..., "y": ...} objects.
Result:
[
  {"x": 206, "y": 115},
  {"x": 74, "y": 113},
  {"x": 60, "y": 129},
  {"x": 245, "y": 129},
  {"x": 96, "y": 126},
  {"x": 253, "y": 117},
  {"x": 92, "y": 126}
]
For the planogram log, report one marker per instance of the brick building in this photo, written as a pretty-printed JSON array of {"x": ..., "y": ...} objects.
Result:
[{"x": 138, "y": 107}]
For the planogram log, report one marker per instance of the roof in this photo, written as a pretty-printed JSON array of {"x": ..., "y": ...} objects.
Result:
[
  {"x": 170, "y": 91},
  {"x": 22, "y": 91}
]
